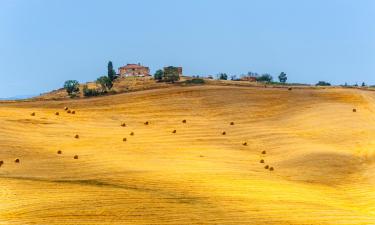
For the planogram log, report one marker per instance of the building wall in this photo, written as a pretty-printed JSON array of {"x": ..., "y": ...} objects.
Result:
[{"x": 142, "y": 71}]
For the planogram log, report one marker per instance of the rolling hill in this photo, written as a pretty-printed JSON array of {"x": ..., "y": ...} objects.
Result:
[{"x": 321, "y": 150}]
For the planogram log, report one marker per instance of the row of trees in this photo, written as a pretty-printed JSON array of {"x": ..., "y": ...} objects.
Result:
[
  {"x": 103, "y": 84},
  {"x": 266, "y": 77}
]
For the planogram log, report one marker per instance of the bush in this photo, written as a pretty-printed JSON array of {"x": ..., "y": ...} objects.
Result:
[
  {"x": 195, "y": 81},
  {"x": 323, "y": 83},
  {"x": 223, "y": 76},
  {"x": 89, "y": 92}
]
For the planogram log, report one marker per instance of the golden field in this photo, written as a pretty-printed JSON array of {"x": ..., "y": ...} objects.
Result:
[{"x": 322, "y": 152}]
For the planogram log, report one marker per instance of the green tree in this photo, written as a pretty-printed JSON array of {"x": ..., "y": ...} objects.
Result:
[
  {"x": 363, "y": 84},
  {"x": 282, "y": 77},
  {"x": 223, "y": 76},
  {"x": 171, "y": 74},
  {"x": 323, "y": 83},
  {"x": 111, "y": 72},
  {"x": 72, "y": 87},
  {"x": 265, "y": 78},
  {"x": 159, "y": 74},
  {"x": 105, "y": 83}
]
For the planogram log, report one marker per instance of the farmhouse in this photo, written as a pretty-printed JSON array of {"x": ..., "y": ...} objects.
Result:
[{"x": 134, "y": 70}]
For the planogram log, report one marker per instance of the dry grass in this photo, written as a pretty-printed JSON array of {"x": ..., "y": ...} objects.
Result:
[{"x": 322, "y": 155}]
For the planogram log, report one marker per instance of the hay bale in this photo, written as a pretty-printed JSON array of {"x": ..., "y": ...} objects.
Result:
[
  {"x": 32, "y": 114},
  {"x": 266, "y": 167},
  {"x": 69, "y": 111},
  {"x": 184, "y": 121},
  {"x": 75, "y": 157},
  {"x": 146, "y": 123},
  {"x": 123, "y": 124},
  {"x": 1, "y": 162},
  {"x": 290, "y": 89},
  {"x": 174, "y": 131},
  {"x": 132, "y": 133},
  {"x": 73, "y": 112},
  {"x": 57, "y": 113},
  {"x": 124, "y": 139},
  {"x": 354, "y": 110},
  {"x": 232, "y": 123},
  {"x": 224, "y": 133},
  {"x": 271, "y": 168},
  {"x": 59, "y": 152},
  {"x": 17, "y": 160},
  {"x": 244, "y": 144},
  {"x": 264, "y": 152},
  {"x": 66, "y": 108},
  {"x": 261, "y": 161},
  {"x": 76, "y": 136}
]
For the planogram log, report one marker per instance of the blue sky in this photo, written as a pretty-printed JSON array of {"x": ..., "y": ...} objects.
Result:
[{"x": 44, "y": 43}]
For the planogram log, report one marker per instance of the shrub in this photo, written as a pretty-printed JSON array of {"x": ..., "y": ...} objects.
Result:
[
  {"x": 195, "y": 81},
  {"x": 89, "y": 92}
]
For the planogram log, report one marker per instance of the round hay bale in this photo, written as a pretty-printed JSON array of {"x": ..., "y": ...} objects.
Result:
[
  {"x": 146, "y": 123},
  {"x": 174, "y": 131},
  {"x": 132, "y": 133},
  {"x": 75, "y": 157},
  {"x": 123, "y": 124},
  {"x": 32, "y": 114},
  {"x": 354, "y": 110},
  {"x": 244, "y": 144},
  {"x": 184, "y": 121},
  {"x": 232, "y": 123},
  {"x": 17, "y": 160},
  {"x": 124, "y": 139},
  {"x": 57, "y": 113},
  {"x": 59, "y": 152},
  {"x": 1, "y": 162},
  {"x": 69, "y": 111},
  {"x": 271, "y": 168},
  {"x": 66, "y": 108},
  {"x": 266, "y": 167},
  {"x": 73, "y": 112},
  {"x": 224, "y": 133},
  {"x": 264, "y": 152},
  {"x": 76, "y": 136},
  {"x": 261, "y": 161},
  {"x": 290, "y": 89}
]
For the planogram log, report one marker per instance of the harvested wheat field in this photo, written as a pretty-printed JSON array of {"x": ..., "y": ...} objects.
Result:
[{"x": 321, "y": 154}]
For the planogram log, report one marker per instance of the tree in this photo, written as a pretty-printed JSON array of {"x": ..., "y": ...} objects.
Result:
[
  {"x": 105, "y": 83},
  {"x": 72, "y": 87},
  {"x": 111, "y": 72},
  {"x": 282, "y": 77},
  {"x": 323, "y": 83},
  {"x": 159, "y": 74},
  {"x": 363, "y": 84},
  {"x": 265, "y": 78},
  {"x": 171, "y": 74},
  {"x": 223, "y": 76}
]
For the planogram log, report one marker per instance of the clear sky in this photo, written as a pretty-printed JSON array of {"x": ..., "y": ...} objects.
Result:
[{"x": 44, "y": 43}]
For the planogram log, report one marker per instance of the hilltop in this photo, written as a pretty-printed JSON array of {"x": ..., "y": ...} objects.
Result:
[{"x": 320, "y": 149}]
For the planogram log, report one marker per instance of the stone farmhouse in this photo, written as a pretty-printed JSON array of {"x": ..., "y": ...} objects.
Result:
[{"x": 135, "y": 70}]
